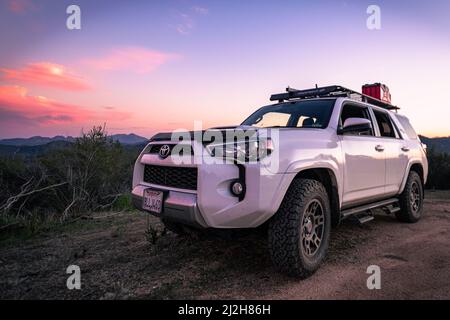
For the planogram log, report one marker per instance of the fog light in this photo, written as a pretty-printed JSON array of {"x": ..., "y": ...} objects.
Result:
[{"x": 237, "y": 188}]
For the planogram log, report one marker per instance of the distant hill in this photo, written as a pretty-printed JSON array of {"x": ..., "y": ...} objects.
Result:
[
  {"x": 128, "y": 138},
  {"x": 34, "y": 141},
  {"x": 31, "y": 151},
  {"x": 39, "y": 141},
  {"x": 36, "y": 146},
  {"x": 438, "y": 144}
]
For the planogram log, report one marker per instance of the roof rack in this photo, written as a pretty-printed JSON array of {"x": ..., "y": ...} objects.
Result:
[{"x": 330, "y": 91}]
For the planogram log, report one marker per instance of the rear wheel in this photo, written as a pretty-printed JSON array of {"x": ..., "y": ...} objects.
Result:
[
  {"x": 411, "y": 200},
  {"x": 300, "y": 230}
]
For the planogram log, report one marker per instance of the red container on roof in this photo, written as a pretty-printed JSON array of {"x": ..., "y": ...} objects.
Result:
[{"x": 378, "y": 91}]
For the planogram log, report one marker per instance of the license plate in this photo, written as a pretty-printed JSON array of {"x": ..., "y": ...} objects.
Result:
[{"x": 153, "y": 200}]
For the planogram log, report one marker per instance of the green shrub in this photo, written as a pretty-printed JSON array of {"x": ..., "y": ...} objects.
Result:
[
  {"x": 439, "y": 170},
  {"x": 92, "y": 174},
  {"x": 123, "y": 203}
]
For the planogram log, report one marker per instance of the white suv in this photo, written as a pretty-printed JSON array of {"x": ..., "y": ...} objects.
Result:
[{"x": 304, "y": 164}]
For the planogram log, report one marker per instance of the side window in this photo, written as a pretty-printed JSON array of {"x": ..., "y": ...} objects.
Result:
[
  {"x": 385, "y": 124},
  {"x": 355, "y": 111}
]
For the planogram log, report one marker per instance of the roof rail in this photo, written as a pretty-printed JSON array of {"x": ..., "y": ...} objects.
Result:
[{"x": 330, "y": 91}]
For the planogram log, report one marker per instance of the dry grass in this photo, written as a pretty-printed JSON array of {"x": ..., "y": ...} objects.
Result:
[{"x": 118, "y": 261}]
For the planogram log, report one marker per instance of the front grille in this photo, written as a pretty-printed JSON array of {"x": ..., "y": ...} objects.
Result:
[
  {"x": 175, "y": 177},
  {"x": 154, "y": 149}
]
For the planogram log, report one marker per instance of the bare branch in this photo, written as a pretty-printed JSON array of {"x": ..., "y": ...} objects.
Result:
[
  {"x": 25, "y": 193},
  {"x": 74, "y": 200}
]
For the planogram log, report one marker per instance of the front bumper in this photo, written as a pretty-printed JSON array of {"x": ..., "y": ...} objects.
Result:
[
  {"x": 212, "y": 205},
  {"x": 178, "y": 207}
]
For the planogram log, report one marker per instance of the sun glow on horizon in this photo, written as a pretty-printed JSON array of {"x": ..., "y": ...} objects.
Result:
[{"x": 56, "y": 71}]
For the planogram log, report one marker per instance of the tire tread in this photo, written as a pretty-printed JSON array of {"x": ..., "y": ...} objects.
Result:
[
  {"x": 405, "y": 214},
  {"x": 284, "y": 228}
]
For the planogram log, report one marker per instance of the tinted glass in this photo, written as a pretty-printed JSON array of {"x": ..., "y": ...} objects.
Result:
[
  {"x": 384, "y": 124},
  {"x": 299, "y": 114},
  {"x": 354, "y": 111}
]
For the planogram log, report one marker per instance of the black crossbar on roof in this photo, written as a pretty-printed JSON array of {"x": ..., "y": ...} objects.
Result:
[{"x": 330, "y": 91}]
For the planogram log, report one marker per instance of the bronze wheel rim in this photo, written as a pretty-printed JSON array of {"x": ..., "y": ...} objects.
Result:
[
  {"x": 414, "y": 197},
  {"x": 312, "y": 228}
]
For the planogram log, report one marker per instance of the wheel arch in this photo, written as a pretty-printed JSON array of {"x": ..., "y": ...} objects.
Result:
[
  {"x": 327, "y": 177},
  {"x": 419, "y": 169}
]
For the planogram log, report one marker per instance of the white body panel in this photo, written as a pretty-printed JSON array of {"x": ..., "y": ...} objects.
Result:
[{"x": 364, "y": 169}]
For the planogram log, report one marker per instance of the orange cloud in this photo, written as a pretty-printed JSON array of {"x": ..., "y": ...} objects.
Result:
[
  {"x": 17, "y": 106},
  {"x": 135, "y": 59},
  {"x": 48, "y": 75},
  {"x": 20, "y": 6}
]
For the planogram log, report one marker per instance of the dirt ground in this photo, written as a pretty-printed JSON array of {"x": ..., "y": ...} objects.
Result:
[{"x": 118, "y": 261}]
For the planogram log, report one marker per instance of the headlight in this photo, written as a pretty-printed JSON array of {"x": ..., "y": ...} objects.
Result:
[{"x": 242, "y": 151}]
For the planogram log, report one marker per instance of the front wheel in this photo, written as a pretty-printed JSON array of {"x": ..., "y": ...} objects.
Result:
[
  {"x": 299, "y": 232},
  {"x": 411, "y": 200}
]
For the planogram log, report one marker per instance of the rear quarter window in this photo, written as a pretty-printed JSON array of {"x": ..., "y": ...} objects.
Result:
[
  {"x": 410, "y": 132},
  {"x": 385, "y": 124}
]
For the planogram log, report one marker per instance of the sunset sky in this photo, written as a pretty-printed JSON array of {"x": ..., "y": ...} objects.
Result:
[{"x": 149, "y": 66}]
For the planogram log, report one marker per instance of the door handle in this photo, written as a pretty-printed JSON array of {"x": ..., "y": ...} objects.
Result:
[
  {"x": 379, "y": 148},
  {"x": 405, "y": 149}
]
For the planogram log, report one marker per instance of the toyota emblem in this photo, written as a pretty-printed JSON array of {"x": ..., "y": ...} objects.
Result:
[{"x": 164, "y": 151}]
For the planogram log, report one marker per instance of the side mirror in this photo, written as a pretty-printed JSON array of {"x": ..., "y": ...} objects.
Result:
[{"x": 356, "y": 125}]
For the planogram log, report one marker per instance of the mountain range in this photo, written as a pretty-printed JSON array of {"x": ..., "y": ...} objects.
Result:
[
  {"x": 38, "y": 140},
  {"x": 36, "y": 146}
]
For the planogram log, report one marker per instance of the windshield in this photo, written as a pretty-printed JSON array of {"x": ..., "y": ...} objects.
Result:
[{"x": 300, "y": 114}]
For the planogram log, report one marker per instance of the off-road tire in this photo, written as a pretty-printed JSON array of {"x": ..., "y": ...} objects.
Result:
[
  {"x": 410, "y": 209},
  {"x": 286, "y": 229}
]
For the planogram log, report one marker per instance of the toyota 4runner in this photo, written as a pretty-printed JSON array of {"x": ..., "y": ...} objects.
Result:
[{"x": 299, "y": 166}]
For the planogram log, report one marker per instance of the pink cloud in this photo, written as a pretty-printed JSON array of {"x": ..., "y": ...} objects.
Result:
[
  {"x": 17, "y": 106},
  {"x": 48, "y": 75},
  {"x": 20, "y": 6},
  {"x": 134, "y": 59}
]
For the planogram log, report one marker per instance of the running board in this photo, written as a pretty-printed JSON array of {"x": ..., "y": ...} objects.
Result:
[
  {"x": 352, "y": 211},
  {"x": 365, "y": 218},
  {"x": 392, "y": 209}
]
